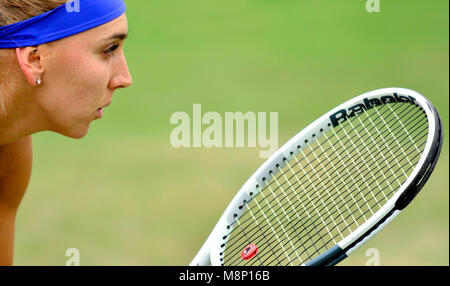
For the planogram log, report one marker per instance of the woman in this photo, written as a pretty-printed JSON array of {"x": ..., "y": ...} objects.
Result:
[{"x": 60, "y": 64}]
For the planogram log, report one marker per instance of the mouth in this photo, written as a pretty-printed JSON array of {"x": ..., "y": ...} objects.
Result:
[{"x": 100, "y": 111}]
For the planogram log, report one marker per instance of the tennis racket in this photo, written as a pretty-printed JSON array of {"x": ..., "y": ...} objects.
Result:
[{"x": 332, "y": 186}]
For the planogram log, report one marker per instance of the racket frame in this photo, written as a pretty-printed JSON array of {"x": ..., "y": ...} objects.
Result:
[{"x": 212, "y": 251}]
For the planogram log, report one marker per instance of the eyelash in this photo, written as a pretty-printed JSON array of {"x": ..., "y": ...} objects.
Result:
[{"x": 110, "y": 50}]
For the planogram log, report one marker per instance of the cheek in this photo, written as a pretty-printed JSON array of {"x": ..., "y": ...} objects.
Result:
[
  {"x": 79, "y": 83},
  {"x": 73, "y": 90}
]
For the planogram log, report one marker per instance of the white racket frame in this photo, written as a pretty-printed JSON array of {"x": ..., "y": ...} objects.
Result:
[{"x": 210, "y": 252}]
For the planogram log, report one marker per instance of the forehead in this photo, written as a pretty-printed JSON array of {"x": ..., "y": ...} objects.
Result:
[
  {"x": 116, "y": 26},
  {"x": 99, "y": 34}
]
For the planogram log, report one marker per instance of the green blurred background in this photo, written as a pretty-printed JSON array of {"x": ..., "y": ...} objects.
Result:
[{"x": 124, "y": 196}]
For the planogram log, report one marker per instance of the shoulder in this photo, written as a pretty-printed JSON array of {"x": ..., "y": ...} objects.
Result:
[{"x": 15, "y": 171}]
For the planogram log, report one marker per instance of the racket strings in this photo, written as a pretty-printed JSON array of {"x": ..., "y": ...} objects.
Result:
[
  {"x": 310, "y": 217},
  {"x": 327, "y": 190},
  {"x": 294, "y": 174},
  {"x": 324, "y": 246},
  {"x": 298, "y": 180},
  {"x": 308, "y": 235},
  {"x": 355, "y": 221},
  {"x": 312, "y": 150}
]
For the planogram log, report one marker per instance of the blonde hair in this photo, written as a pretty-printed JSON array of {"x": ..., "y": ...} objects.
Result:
[{"x": 13, "y": 11}]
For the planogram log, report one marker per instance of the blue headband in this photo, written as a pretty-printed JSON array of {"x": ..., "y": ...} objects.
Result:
[{"x": 66, "y": 20}]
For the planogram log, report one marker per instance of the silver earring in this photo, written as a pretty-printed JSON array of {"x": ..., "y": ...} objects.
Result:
[{"x": 38, "y": 81}]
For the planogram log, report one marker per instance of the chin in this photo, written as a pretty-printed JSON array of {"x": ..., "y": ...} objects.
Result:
[
  {"x": 79, "y": 135},
  {"x": 75, "y": 133}
]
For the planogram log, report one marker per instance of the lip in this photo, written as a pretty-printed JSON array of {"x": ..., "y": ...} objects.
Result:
[
  {"x": 100, "y": 110},
  {"x": 99, "y": 113},
  {"x": 106, "y": 105}
]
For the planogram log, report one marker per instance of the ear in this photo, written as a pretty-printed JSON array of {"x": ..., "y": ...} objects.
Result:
[{"x": 29, "y": 60}]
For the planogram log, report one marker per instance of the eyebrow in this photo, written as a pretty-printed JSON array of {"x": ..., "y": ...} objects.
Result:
[{"x": 118, "y": 36}]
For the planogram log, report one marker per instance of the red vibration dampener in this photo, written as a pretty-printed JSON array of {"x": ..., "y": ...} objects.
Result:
[{"x": 249, "y": 251}]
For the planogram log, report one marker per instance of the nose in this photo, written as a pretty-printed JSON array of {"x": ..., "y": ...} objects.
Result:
[{"x": 122, "y": 77}]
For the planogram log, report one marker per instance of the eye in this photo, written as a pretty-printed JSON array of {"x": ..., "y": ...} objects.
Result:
[{"x": 111, "y": 49}]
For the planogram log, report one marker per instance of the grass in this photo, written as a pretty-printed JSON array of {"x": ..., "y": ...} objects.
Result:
[{"x": 124, "y": 196}]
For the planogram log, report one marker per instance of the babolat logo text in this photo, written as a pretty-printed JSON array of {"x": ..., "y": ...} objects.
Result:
[{"x": 342, "y": 115}]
